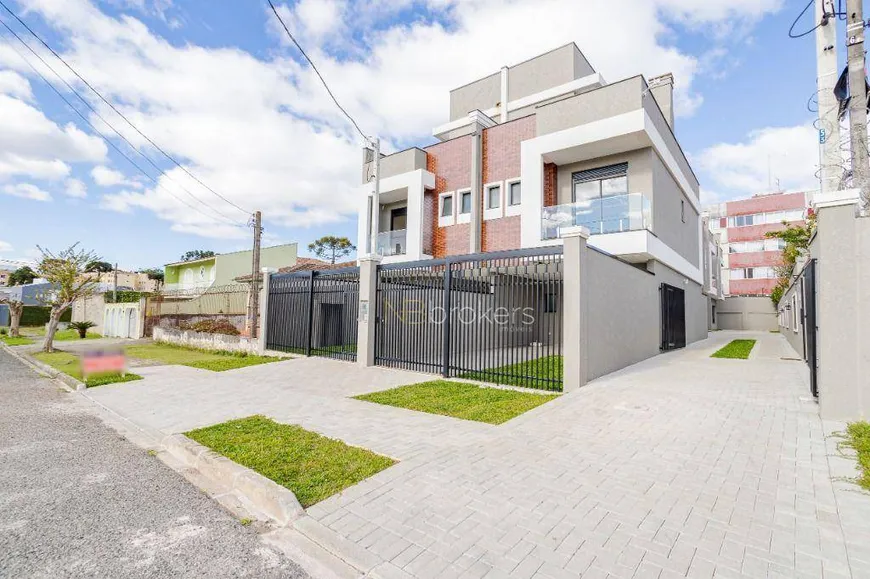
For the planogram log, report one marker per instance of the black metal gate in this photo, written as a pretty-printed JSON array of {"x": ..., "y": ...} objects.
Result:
[
  {"x": 809, "y": 323},
  {"x": 673, "y": 317},
  {"x": 494, "y": 317},
  {"x": 314, "y": 313}
]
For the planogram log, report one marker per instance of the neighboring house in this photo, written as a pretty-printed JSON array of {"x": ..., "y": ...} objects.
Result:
[
  {"x": 4, "y": 277},
  {"x": 750, "y": 259},
  {"x": 200, "y": 274},
  {"x": 304, "y": 264},
  {"x": 127, "y": 280},
  {"x": 542, "y": 146}
]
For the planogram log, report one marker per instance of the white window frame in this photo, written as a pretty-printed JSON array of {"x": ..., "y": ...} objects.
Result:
[
  {"x": 463, "y": 217},
  {"x": 498, "y": 211},
  {"x": 794, "y": 317},
  {"x": 446, "y": 220},
  {"x": 511, "y": 210}
]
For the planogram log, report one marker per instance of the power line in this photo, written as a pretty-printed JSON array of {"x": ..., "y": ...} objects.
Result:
[
  {"x": 119, "y": 113},
  {"x": 122, "y": 137},
  {"x": 98, "y": 132},
  {"x": 326, "y": 86},
  {"x": 810, "y": 31}
]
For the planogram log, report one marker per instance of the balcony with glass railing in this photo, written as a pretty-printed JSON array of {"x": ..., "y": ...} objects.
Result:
[
  {"x": 601, "y": 215},
  {"x": 392, "y": 242}
]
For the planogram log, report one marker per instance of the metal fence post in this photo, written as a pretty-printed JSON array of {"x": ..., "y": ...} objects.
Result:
[
  {"x": 368, "y": 310},
  {"x": 445, "y": 327},
  {"x": 264, "y": 309},
  {"x": 310, "y": 312},
  {"x": 576, "y": 297}
]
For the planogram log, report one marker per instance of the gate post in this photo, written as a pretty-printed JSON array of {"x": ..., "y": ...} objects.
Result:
[
  {"x": 264, "y": 309},
  {"x": 576, "y": 301},
  {"x": 368, "y": 310}
]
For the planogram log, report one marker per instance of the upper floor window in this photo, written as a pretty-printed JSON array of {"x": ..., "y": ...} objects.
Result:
[
  {"x": 465, "y": 202},
  {"x": 493, "y": 197},
  {"x": 447, "y": 206},
  {"x": 601, "y": 198},
  {"x": 515, "y": 194}
]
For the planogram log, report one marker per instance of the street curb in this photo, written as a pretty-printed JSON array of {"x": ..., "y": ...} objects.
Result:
[
  {"x": 68, "y": 382},
  {"x": 266, "y": 496}
]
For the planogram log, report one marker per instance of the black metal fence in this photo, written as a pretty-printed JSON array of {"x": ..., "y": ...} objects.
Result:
[
  {"x": 314, "y": 313},
  {"x": 494, "y": 317}
]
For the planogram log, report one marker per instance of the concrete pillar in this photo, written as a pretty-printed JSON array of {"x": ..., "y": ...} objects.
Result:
[
  {"x": 368, "y": 295},
  {"x": 264, "y": 308},
  {"x": 505, "y": 72},
  {"x": 575, "y": 299},
  {"x": 476, "y": 190}
]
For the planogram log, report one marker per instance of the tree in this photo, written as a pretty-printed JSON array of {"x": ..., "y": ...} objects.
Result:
[
  {"x": 64, "y": 271},
  {"x": 195, "y": 254},
  {"x": 153, "y": 273},
  {"x": 16, "y": 308},
  {"x": 22, "y": 276},
  {"x": 99, "y": 267},
  {"x": 330, "y": 248},
  {"x": 797, "y": 241}
]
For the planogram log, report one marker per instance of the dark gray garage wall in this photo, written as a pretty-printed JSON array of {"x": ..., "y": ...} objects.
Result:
[{"x": 624, "y": 312}]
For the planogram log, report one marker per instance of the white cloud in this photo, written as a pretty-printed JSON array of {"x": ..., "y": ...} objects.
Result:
[
  {"x": 788, "y": 156},
  {"x": 263, "y": 132},
  {"x": 13, "y": 84},
  {"x": 5, "y": 246},
  {"x": 76, "y": 188},
  {"x": 26, "y": 191},
  {"x": 106, "y": 177}
]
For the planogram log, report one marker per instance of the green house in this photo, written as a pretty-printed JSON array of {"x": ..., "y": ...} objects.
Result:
[{"x": 222, "y": 269}]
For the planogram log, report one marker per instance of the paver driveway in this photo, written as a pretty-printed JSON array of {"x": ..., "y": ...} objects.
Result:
[{"x": 681, "y": 465}]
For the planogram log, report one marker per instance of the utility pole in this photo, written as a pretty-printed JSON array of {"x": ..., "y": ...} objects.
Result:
[
  {"x": 858, "y": 102},
  {"x": 830, "y": 155},
  {"x": 254, "y": 302},
  {"x": 376, "y": 198},
  {"x": 115, "y": 285}
]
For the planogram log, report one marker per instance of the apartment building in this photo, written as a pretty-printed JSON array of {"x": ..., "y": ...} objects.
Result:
[
  {"x": 749, "y": 258},
  {"x": 4, "y": 277},
  {"x": 126, "y": 280}
]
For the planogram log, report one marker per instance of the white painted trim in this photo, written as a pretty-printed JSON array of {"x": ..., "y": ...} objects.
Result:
[
  {"x": 498, "y": 211},
  {"x": 512, "y": 210},
  {"x": 463, "y": 217},
  {"x": 477, "y": 117},
  {"x": 575, "y": 231},
  {"x": 446, "y": 221},
  {"x": 502, "y": 111},
  {"x": 643, "y": 242},
  {"x": 835, "y": 198},
  {"x": 503, "y": 103}
]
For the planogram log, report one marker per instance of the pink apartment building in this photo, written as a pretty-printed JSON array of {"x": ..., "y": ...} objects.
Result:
[{"x": 750, "y": 259}]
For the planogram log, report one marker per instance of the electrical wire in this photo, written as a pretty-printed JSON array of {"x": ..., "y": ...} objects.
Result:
[
  {"x": 98, "y": 132},
  {"x": 119, "y": 113},
  {"x": 802, "y": 34},
  {"x": 108, "y": 124},
  {"x": 326, "y": 86}
]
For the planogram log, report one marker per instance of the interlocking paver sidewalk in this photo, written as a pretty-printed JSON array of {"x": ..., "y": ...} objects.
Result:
[{"x": 680, "y": 466}]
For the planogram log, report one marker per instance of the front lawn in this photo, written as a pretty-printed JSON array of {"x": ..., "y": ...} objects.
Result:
[
  {"x": 70, "y": 365},
  {"x": 737, "y": 349},
  {"x": 19, "y": 341},
  {"x": 541, "y": 373},
  {"x": 858, "y": 437},
  {"x": 314, "y": 467},
  {"x": 60, "y": 335},
  {"x": 178, "y": 355},
  {"x": 460, "y": 400}
]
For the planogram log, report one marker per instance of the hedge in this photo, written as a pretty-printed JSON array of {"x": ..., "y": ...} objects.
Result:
[{"x": 39, "y": 315}]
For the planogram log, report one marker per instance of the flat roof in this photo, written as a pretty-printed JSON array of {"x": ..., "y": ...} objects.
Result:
[{"x": 229, "y": 253}]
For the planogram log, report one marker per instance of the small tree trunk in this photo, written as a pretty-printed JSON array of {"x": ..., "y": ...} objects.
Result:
[
  {"x": 54, "y": 320},
  {"x": 15, "y": 311}
]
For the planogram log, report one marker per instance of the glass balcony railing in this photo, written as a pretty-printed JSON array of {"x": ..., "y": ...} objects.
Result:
[
  {"x": 630, "y": 212},
  {"x": 392, "y": 242}
]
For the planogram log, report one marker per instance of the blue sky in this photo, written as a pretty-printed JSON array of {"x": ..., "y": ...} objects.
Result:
[{"x": 217, "y": 86}]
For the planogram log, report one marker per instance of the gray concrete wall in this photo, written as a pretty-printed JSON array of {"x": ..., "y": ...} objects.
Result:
[
  {"x": 608, "y": 101},
  {"x": 546, "y": 71},
  {"x": 482, "y": 94},
  {"x": 747, "y": 313},
  {"x": 657, "y": 117},
  {"x": 843, "y": 313},
  {"x": 396, "y": 164},
  {"x": 624, "y": 312},
  {"x": 669, "y": 204},
  {"x": 92, "y": 310},
  {"x": 788, "y": 327}
]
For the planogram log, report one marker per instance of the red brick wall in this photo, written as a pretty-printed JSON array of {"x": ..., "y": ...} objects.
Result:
[
  {"x": 501, "y": 234},
  {"x": 551, "y": 185},
  {"x": 450, "y": 162},
  {"x": 755, "y": 259},
  {"x": 766, "y": 204},
  {"x": 751, "y": 287},
  {"x": 755, "y": 232}
]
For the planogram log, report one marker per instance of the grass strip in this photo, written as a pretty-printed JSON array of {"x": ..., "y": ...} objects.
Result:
[
  {"x": 195, "y": 358},
  {"x": 70, "y": 365},
  {"x": 460, "y": 400},
  {"x": 314, "y": 467},
  {"x": 541, "y": 373},
  {"x": 858, "y": 438},
  {"x": 735, "y": 349}
]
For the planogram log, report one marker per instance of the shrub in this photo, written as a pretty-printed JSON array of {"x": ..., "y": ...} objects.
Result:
[
  {"x": 82, "y": 328},
  {"x": 221, "y": 326},
  {"x": 39, "y": 316},
  {"x": 3, "y": 331}
]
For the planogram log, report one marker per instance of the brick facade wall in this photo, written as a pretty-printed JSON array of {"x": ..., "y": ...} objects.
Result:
[
  {"x": 551, "y": 184},
  {"x": 450, "y": 162},
  {"x": 752, "y": 287}
]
